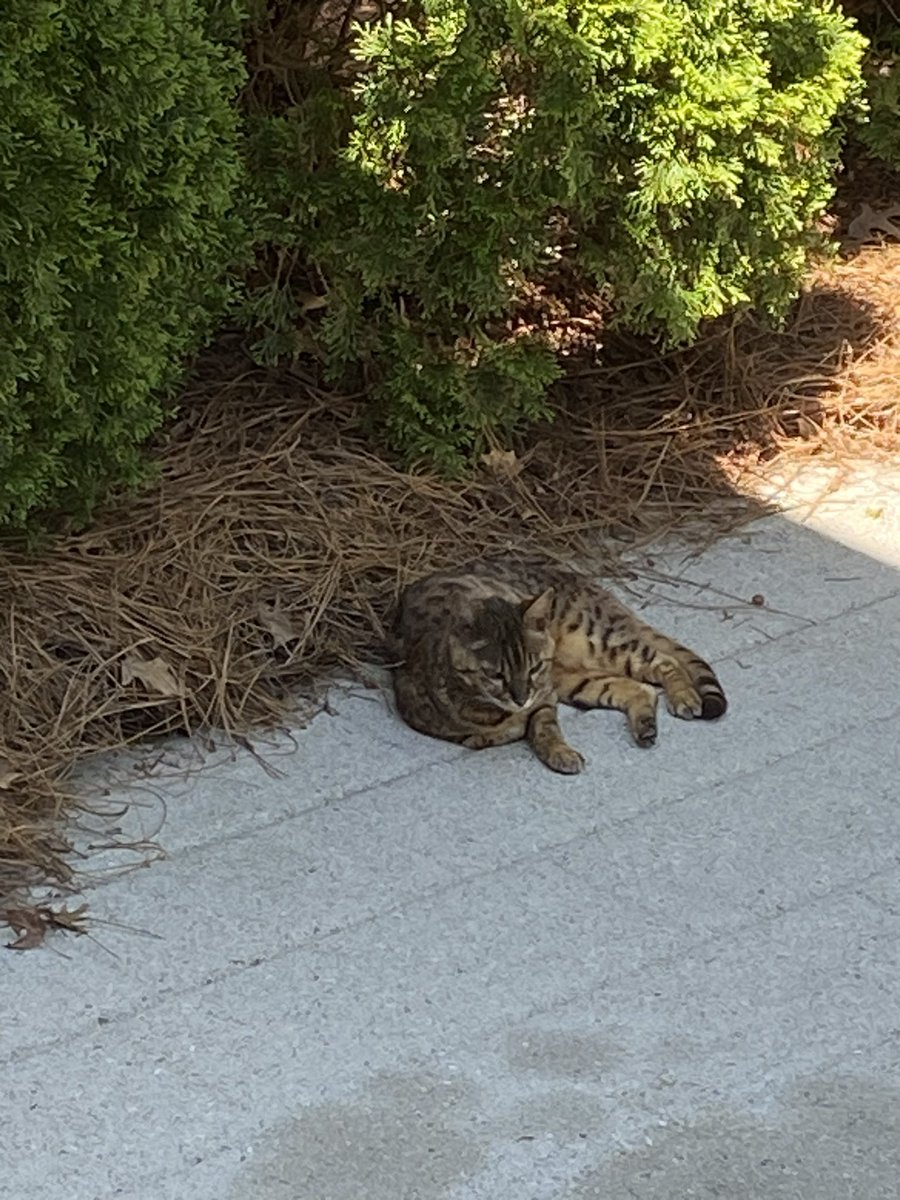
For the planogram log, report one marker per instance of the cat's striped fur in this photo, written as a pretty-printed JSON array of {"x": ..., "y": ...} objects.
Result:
[{"x": 486, "y": 650}]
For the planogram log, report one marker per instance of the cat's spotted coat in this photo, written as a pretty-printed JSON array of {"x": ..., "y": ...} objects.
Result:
[{"x": 488, "y": 649}]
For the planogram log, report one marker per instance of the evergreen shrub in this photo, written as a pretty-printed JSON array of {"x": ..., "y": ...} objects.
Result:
[
  {"x": 119, "y": 167},
  {"x": 880, "y": 132},
  {"x": 680, "y": 152}
]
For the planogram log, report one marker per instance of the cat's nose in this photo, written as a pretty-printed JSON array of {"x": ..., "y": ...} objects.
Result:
[{"x": 518, "y": 689}]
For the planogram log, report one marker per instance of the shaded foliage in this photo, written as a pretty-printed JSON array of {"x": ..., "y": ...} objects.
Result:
[{"x": 417, "y": 179}]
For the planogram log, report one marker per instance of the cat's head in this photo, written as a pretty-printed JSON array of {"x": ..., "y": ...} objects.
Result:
[{"x": 502, "y": 655}]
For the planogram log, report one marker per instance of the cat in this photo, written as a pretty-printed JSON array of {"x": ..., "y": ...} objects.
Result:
[{"x": 485, "y": 652}]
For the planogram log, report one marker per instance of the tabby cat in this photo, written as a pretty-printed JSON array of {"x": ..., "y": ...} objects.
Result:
[{"x": 487, "y": 650}]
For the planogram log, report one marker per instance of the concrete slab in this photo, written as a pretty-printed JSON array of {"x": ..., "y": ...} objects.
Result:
[{"x": 374, "y": 965}]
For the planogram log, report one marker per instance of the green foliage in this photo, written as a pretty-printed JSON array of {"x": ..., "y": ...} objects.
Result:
[
  {"x": 686, "y": 149},
  {"x": 437, "y": 404},
  {"x": 880, "y": 133},
  {"x": 119, "y": 162}
]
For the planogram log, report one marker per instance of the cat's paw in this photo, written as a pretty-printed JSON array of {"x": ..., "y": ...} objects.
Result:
[
  {"x": 685, "y": 703},
  {"x": 564, "y": 759},
  {"x": 643, "y": 730},
  {"x": 478, "y": 741}
]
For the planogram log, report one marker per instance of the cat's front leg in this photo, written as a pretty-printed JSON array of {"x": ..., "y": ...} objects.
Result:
[{"x": 547, "y": 741}]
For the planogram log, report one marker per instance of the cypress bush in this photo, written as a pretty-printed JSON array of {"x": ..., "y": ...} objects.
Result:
[
  {"x": 119, "y": 164},
  {"x": 880, "y": 132},
  {"x": 678, "y": 154}
]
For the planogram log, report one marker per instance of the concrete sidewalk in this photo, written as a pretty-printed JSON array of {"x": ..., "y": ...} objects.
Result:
[{"x": 377, "y": 967}]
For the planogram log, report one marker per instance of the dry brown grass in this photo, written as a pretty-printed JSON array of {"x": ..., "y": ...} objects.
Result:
[{"x": 276, "y": 538}]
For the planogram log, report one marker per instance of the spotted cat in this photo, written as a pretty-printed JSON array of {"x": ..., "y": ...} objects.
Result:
[{"x": 488, "y": 649}]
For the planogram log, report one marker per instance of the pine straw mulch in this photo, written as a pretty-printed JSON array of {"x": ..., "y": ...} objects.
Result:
[{"x": 276, "y": 538}]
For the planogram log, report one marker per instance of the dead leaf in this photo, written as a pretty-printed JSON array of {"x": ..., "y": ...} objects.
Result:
[
  {"x": 155, "y": 674},
  {"x": 874, "y": 513},
  {"x": 31, "y": 923},
  {"x": 503, "y": 462},
  {"x": 807, "y": 428},
  {"x": 870, "y": 220},
  {"x": 309, "y": 302},
  {"x": 273, "y": 620},
  {"x": 8, "y": 774},
  {"x": 74, "y": 920},
  {"x": 28, "y": 924}
]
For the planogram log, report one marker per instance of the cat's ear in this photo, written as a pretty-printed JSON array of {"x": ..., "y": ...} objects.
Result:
[{"x": 536, "y": 609}]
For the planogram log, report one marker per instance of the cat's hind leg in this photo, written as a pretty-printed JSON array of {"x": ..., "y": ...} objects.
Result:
[
  {"x": 689, "y": 682},
  {"x": 485, "y": 738}
]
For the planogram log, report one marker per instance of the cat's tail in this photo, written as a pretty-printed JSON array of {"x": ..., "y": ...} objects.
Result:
[{"x": 712, "y": 695}]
